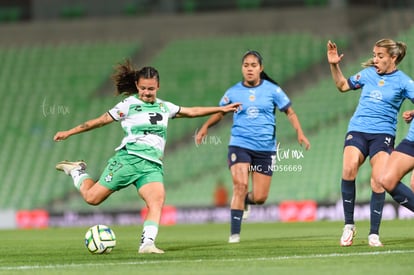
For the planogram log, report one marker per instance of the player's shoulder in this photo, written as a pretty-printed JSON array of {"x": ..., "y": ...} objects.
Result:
[
  {"x": 170, "y": 105},
  {"x": 161, "y": 101},
  {"x": 268, "y": 84},
  {"x": 402, "y": 74},
  {"x": 366, "y": 72},
  {"x": 237, "y": 86}
]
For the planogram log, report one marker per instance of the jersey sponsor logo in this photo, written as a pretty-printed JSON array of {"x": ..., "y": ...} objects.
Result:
[
  {"x": 252, "y": 112},
  {"x": 155, "y": 117},
  {"x": 375, "y": 96}
]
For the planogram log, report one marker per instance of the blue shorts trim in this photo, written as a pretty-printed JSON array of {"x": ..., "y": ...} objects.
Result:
[
  {"x": 370, "y": 144},
  {"x": 406, "y": 146},
  {"x": 260, "y": 161}
]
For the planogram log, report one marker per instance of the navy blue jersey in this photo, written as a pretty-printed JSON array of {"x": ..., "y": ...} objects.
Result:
[
  {"x": 380, "y": 100},
  {"x": 254, "y": 124}
]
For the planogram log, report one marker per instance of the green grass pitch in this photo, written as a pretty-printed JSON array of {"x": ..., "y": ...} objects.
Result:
[{"x": 266, "y": 248}]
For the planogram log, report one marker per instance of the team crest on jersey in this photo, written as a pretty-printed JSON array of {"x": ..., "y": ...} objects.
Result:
[
  {"x": 109, "y": 177},
  {"x": 252, "y": 97},
  {"x": 381, "y": 82},
  {"x": 162, "y": 107}
]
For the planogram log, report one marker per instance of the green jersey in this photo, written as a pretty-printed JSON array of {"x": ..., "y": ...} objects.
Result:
[{"x": 144, "y": 125}]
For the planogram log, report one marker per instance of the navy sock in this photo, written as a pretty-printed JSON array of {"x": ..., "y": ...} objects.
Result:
[
  {"x": 236, "y": 220},
  {"x": 403, "y": 195},
  {"x": 348, "y": 200},
  {"x": 377, "y": 204}
]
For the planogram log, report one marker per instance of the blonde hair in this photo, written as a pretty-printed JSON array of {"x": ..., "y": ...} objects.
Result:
[{"x": 394, "y": 48}]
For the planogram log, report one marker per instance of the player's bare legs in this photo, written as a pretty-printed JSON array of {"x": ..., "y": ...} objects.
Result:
[
  {"x": 153, "y": 194},
  {"x": 260, "y": 188},
  {"x": 94, "y": 193},
  {"x": 240, "y": 174}
]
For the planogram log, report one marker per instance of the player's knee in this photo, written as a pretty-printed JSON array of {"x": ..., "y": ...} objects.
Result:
[
  {"x": 260, "y": 200},
  {"x": 92, "y": 200},
  {"x": 376, "y": 185},
  {"x": 386, "y": 183},
  {"x": 349, "y": 172},
  {"x": 155, "y": 202}
]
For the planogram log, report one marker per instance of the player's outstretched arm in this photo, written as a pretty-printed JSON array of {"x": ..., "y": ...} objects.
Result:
[
  {"x": 204, "y": 111},
  {"x": 86, "y": 126}
]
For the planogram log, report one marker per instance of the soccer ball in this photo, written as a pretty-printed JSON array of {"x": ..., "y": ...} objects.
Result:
[{"x": 100, "y": 239}]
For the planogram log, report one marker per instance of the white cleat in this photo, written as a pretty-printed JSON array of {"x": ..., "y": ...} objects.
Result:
[
  {"x": 235, "y": 238},
  {"x": 348, "y": 235},
  {"x": 149, "y": 248},
  {"x": 374, "y": 241},
  {"x": 69, "y": 166},
  {"x": 246, "y": 212}
]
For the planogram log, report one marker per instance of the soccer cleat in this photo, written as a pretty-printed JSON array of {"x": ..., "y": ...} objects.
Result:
[
  {"x": 69, "y": 166},
  {"x": 246, "y": 212},
  {"x": 149, "y": 248},
  {"x": 374, "y": 241},
  {"x": 235, "y": 238},
  {"x": 348, "y": 235}
]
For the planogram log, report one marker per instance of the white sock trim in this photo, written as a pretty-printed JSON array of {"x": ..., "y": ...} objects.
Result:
[{"x": 78, "y": 178}]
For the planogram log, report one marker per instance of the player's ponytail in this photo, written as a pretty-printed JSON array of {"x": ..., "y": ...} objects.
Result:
[
  {"x": 264, "y": 76},
  {"x": 124, "y": 78}
]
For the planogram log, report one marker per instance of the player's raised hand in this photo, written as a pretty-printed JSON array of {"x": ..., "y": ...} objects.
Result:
[{"x": 332, "y": 53}]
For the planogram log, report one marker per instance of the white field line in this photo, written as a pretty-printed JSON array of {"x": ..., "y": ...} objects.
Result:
[{"x": 146, "y": 262}]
